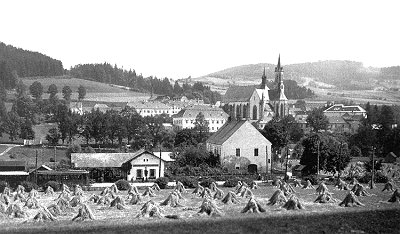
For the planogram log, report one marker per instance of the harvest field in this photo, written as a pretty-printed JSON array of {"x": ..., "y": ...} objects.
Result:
[{"x": 377, "y": 215}]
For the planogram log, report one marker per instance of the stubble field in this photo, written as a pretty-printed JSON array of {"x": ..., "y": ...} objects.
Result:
[{"x": 376, "y": 216}]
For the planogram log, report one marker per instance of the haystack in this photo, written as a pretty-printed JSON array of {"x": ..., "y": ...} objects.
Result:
[
  {"x": 33, "y": 193},
  {"x": 325, "y": 198},
  {"x": 150, "y": 209},
  {"x": 20, "y": 189},
  {"x": 241, "y": 189},
  {"x": 136, "y": 199},
  {"x": 342, "y": 185},
  {"x": 213, "y": 186},
  {"x": 44, "y": 215},
  {"x": 253, "y": 206},
  {"x": 155, "y": 187},
  {"x": 286, "y": 188},
  {"x": 32, "y": 203},
  {"x": 350, "y": 200},
  {"x": 84, "y": 213},
  {"x": 133, "y": 190},
  {"x": 206, "y": 193},
  {"x": 395, "y": 196},
  {"x": 117, "y": 200},
  {"x": 64, "y": 205},
  {"x": 297, "y": 183},
  {"x": 49, "y": 190},
  {"x": 64, "y": 194},
  {"x": 278, "y": 198},
  {"x": 3, "y": 207},
  {"x": 246, "y": 193},
  {"x": 388, "y": 186},
  {"x": 15, "y": 211},
  {"x": 239, "y": 184},
  {"x": 179, "y": 186},
  {"x": 75, "y": 201},
  {"x": 321, "y": 189},
  {"x": 253, "y": 185},
  {"x": 293, "y": 204},
  {"x": 218, "y": 194},
  {"x": 308, "y": 185},
  {"x": 172, "y": 200},
  {"x": 210, "y": 208},
  {"x": 359, "y": 190},
  {"x": 198, "y": 190},
  {"x": 65, "y": 188},
  {"x": 19, "y": 197},
  {"x": 7, "y": 191},
  {"x": 149, "y": 192},
  {"x": 55, "y": 210},
  {"x": 4, "y": 198},
  {"x": 104, "y": 200},
  {"x": 105, "y": 192},
  {"x": 230, "y": 198},
  {"x": 180, "y": 197},
  {"x": 276, "y": 182},
  {"x": 78, "y": 191},
  {"x": 94, "y": 198},
  {"x": 114, "y": 189}
]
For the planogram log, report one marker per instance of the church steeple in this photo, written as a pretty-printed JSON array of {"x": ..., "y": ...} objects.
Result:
[{"x": 263, "y": 80}]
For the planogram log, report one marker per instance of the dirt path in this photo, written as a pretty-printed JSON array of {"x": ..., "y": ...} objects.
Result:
[{"x": 8, "y": 148}]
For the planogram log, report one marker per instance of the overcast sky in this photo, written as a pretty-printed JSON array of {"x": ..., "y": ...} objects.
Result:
[{"x": 181, "y": 38}]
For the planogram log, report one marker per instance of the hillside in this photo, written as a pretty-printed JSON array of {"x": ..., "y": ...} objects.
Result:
[
  {"x": 16, "y": 62},
  {"x": 346, "y": 75}
]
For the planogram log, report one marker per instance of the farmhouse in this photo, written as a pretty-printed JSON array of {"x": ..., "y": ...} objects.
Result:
[
  {"x": 186, "y": 118},
  {"x": 241, "y": 146},
  {"x": 110, "y": 167}
]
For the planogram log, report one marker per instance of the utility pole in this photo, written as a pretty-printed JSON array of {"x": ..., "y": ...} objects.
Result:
[
  {"x": 36, "y": 167},
  {"x": 159, "y": 165},
  {"x": 287, "y": 159},
  {"x": 55, "y": 158},
  {"x": 318, "y": 159},
  {"x": 340, "y": 159},
  {"x": 373, "y": 169}
]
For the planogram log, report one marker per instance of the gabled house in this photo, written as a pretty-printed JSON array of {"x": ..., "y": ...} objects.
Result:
[
  {"x": 241, "y": 146},
  {"x": 109, "y": 167}
]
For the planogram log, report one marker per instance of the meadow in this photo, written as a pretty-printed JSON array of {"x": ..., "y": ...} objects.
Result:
[{"x": 376, "y": 216}]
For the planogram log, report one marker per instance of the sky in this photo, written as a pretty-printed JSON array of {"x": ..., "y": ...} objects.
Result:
[{"x": 181, "y": 38}]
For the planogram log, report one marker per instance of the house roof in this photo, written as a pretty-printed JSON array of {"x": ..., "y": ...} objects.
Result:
[
  {"x": 166, "y": 156},
  {"x": 391, "y": 154},
  {"x": 83, "y": 160},
  {"x": 208, "y": 112},
  {"x": 13, "y": 173},
  {"x": 148, "y": 105},
  {"x": 336, "y": 120},
  {"x": 298, "y": 167},
  {"x": 226, "y": 131},
  {"x": 343, "y": 108},
  {"x": 12, "y": 163},
  {"x": 239, "y": 93}
]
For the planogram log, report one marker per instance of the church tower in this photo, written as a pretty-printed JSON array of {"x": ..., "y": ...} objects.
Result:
[{"x": 281, "y": 104}]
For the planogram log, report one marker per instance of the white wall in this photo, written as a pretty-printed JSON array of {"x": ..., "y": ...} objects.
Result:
[{"x": 145, "y": 161}]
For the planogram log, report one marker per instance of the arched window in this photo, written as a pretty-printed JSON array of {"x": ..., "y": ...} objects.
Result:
[
  {"x": 282, "y": 110},
  {"x": 245, "y": 114},
  {"x": 238, "y": 111},
  {"x": 255, "y": 115}
]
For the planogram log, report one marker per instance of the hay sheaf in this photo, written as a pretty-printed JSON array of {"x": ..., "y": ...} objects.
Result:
[
  {"x": 278, "y": 198},
  {"x": 253, "y": 206},
  {"x": 350, "y": 200}
]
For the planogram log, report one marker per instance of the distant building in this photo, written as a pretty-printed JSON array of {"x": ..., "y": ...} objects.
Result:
[
  {"x": 13, "y": 172},
  {"x": 110, "y": 167},
  {"x": 340, "y": 110},
  {"x": 258, "y": 103},
  {"x": 152, "y": 108},
  {"x": 241, "y": 146},
  {"x": 216, "y": 117},
  {"x": 338, "y": 124}
]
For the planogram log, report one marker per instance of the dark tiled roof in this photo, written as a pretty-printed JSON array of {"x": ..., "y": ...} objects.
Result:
[
  {"x": 239, "y": 93},
  {"x": 343, "y": 108},
  {"x": 392, "y": 155},
  {"x": 208, "y": 112},
  {"x": 83, "y": 160},
  {"x": 226, "y": 131},
  {"x": 336, "y": 120},
  {"x": 12, "y": 163}
]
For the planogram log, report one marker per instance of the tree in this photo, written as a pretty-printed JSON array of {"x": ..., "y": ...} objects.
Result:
[
  {"x": 201, "y": 128},
  {"x": 25, "y": 107},
  {"x": 155, "y": 128},
  {"x": 276, "y": 133},
  {"x": 36, "y": 90},
  {"x": 355, "y": 152},
  {"x": 52, "y": 90},
  {"x": 53, "y": 136},
  {"x": 67, "y": 92},
  {"x": 26, "y": 130},
  {"x": 12, "y": 125},
  {"x": 186, "y": 137},
  {"x": 317, "y": 120},
  {"x": 21, "y": 89},
  {"x": 81, "y": 92},
  {"x": 177, "y": 89}
]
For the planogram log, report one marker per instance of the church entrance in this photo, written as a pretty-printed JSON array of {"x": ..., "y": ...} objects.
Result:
[{"x": 252, "y": 169}]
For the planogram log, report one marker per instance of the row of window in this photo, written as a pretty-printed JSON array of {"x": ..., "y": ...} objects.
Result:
[
  {"x": 159, "y": 111},
  {"x": 140, "y": 173},
  {"x": 238, "y": 152}
]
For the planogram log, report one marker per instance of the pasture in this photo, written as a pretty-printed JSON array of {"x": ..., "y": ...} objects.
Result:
[{"x": 376, "y": 215}]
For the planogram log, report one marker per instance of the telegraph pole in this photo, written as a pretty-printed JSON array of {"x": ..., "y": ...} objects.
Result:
[
  {"x": 287, "y": 159},
  {"x": 373, "y": 169},
  {"x": 36, "y": 167},
  {"x": 159, "y": 165},
  {"x": 55, "y": 158},
  {"x": 318, "y": 159}
]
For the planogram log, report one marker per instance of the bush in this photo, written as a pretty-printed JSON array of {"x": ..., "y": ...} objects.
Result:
[
  {"x": 3, "y": 184},
  {"x": 123, "y": 185},
  {"x": 29, "y": 186},
  {"x": 162, "y": 182},
  {"x": 54, "y": 184},
  {"x": 188, "y": 182},
  {"x": 379, "y": 178},
  {"x": 206, "y": 182},
  {"x": 231, "y": 182}
]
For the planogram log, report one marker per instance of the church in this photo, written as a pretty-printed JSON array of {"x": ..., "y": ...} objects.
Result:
[{"x": 258, "y": 104}]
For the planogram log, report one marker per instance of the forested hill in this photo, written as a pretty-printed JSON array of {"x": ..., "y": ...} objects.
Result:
[
  {"x": 107, "y": 73},
  {"x": 343, "y": 74},
  {"x": 16, "y": 62}
]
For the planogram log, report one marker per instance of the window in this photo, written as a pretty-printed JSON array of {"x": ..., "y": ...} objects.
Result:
[
  {"x": 187, "y": 121},
  {"x": 238, "y": 152},
  {"x": 256, "y": 152},
  {"x": 222, "y": 121},
  {"x": 212, "y": 121},
  {"x": 269, "y": 160},
  {"x": 152, "y": 173},
  {"x": 139, "y": 173},
  {"x": 217, "y": 122},
  {"x": 212, "y": 128}
]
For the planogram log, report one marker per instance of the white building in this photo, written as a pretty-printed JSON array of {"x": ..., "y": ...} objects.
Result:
[
  {"x": 339, "y": 110},
  {"x": 153, "y": 108},
  {"x": 216, "y": 117}
]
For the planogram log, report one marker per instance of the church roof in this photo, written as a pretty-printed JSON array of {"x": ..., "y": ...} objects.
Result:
[
  {"x": 226, "y": 131},
  {"x": 239, "y": 93}
]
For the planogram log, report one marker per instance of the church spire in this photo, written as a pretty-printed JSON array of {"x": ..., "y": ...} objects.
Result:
[
  {"x": 263, "y": 80},
  {"x": 279, "y": 61}
]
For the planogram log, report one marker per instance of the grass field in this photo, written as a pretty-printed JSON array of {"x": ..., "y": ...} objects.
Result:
[{"x": 375, "y": 217}]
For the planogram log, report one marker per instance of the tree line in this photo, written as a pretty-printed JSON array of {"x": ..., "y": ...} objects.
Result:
[
  {"x": 107, "y": 73},
  {"x": 16, "y": 62}
]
